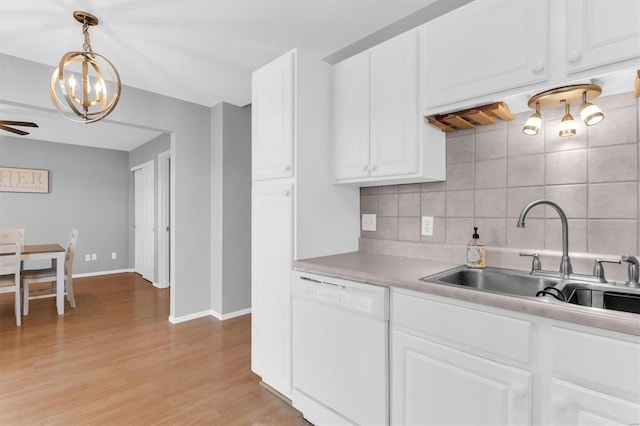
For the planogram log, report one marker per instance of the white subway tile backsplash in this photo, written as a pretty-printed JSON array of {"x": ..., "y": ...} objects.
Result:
[{"x": 566, "y": 167}]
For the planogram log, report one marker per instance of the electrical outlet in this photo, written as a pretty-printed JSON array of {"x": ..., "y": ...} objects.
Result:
[
  {"x": 94, "y": 256},
  {"x": 427, "y": 226},
  {"x": 368, "y": 222},
  {"x": 87, "y": 257},
  {"x": 113, "y": 255}
]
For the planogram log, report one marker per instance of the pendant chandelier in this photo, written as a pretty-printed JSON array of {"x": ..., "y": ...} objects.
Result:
[{"x": 86, "y": 86}]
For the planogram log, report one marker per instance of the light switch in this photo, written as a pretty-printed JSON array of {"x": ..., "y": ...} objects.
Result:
[
  {"x": 87, "y": 257},
  {"x": 427, "y": 226},
  {"x": 368, "y": 222},
  {"x": 94, "y": 256},
  {"x": 113, "y": 255}
]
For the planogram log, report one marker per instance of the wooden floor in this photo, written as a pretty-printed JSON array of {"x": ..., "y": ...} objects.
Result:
[{"x": 117, "y": 360}]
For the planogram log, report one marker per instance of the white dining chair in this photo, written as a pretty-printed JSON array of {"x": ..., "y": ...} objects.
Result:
[
  {"x": 11, "y": 242},
  {"x": 48, "y": 275}
]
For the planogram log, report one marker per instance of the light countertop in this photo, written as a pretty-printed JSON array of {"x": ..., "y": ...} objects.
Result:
[{"x": 405, "y": 273}]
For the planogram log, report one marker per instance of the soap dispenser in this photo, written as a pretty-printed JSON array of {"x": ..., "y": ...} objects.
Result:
[{"x": 476, "y": 251}]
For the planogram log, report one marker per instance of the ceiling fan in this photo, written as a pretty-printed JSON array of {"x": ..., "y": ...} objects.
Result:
[{"x": 5, "y": 125}]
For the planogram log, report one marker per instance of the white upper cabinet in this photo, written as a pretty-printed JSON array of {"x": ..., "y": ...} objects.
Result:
[
  {"x": 379, "y": 135},
  {"x": 486, "y": 47},
  {"x": 601, "y": 33},
  {"x": 351, "y": 117},
  {"x": 272, "y": 119}
]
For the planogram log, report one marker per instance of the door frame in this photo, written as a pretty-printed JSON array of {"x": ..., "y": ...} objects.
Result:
[{"x": 164, "y": 217}]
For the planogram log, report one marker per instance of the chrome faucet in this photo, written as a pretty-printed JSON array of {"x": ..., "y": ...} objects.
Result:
[
  {"x": 633, "y": 270},
  {"x": 565, "y": 263}
]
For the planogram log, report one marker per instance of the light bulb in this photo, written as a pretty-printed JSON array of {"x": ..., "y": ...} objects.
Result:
[
  {"x": 591, "y": 114},
  {"x": 72, "y": 81},
  {"x": 568, "y": 124},
  {"x": 532, "y": 126}
]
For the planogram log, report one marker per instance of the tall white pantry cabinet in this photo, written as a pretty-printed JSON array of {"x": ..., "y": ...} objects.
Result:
[{"x": 297, "y": 212}]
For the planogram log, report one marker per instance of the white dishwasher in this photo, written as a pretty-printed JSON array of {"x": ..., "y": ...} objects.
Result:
[{"x": 340, "y": 334}]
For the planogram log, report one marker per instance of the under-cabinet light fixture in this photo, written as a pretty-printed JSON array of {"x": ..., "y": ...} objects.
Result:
[
  {"x": 565, "y": 95},
  {"x": 86, "y": 86}
]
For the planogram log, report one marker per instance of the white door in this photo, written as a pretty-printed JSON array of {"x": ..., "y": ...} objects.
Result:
[
  {"x": 490, "y": 45},
  {"x": 271, "y": 264},
  {"x": 434, "y": 384},
  {"x": 601, "y": 32},
  {"x": 272, "y": 119},
  {"x": 144, "y": 220},
  {"x": 394, "y": 106},
  {"x": 351, "y": 117}
]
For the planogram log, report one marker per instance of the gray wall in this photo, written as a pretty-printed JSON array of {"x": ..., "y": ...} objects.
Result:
[
  {"x": 26, "y": 83},
  {"x": 230, "y": 208},
  {"x": 88, "y": 190},
  {"x": 144, "y": 153}
]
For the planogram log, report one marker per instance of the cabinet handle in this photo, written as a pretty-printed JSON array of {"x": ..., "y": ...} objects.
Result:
[
  {"x": 519, "y": 391},
  {"x": 365, "y": 168},
  {"x": 575, "y": 56},
  {"x": 373, "y": 168},
  {"x": 287, "y": 193},
  {"x": 286, "y": 168},
  {"x": 538, "y": 67}
]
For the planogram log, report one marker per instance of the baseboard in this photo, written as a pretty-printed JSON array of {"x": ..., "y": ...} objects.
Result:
[
  {"x": 95, "y": 274},
  {"x": 210, "y": 312},
  {"x": 223, "y": 317},
  {"x": 183, "y": 318}
]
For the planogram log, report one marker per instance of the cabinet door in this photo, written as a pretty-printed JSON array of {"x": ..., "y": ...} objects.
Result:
[
  {"x": 272, "y": 119},
  {"x": 395, "y": 115},
  {"x": 433, "y": 384},
  {"x": 271, "y": 264},
  {"x": 485, "y": 47},
  {"x": 574, "y": 405},
  {"x": 601, "y": 32},
  {"x": 351, "y": 117}
]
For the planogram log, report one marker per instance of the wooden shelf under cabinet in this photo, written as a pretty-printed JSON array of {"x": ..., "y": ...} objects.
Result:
[{"x": 470, "y": 118}]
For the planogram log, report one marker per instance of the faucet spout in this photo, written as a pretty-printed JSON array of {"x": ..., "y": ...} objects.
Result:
[{"x": 565, "y": 263}]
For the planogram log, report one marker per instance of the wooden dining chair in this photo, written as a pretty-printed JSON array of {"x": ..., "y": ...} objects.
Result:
[
  {"x": 11, "y": 242},
  {"x": 48, "y": 275}
]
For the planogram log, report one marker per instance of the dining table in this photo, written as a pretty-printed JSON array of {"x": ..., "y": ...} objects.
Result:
[{"x": 56, "y": 253}]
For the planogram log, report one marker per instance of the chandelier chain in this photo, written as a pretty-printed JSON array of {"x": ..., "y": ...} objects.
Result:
[{"x": 87, "y": 41}]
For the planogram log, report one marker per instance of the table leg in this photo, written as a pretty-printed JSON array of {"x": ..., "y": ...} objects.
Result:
[{"x": 60, "y": 283}]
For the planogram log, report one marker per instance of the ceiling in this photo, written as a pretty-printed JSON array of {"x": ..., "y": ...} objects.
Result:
[{"x": 200, "y": 51}]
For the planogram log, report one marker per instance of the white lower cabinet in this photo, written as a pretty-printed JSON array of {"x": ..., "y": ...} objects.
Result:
[
  {"x": 434, "y": 384},
  {"x": 461, "y": 363}
]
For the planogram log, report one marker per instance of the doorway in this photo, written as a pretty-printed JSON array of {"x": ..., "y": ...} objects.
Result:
[{"x": 144, "y": 223}]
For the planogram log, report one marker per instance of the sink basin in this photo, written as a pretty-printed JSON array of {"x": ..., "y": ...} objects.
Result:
[
  {"x": 497, "y": 280},
  {"x": 605, "y": 296}
]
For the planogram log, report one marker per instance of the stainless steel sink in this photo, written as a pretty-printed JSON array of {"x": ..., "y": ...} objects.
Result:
[
  {"x": 515, "y": 282},
  {"x": 497, "y": 280},
  {"x": 605, "y": 296}
]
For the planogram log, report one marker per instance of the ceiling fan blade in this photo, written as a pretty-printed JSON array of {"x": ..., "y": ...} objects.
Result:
[
  {"x": 12, "y": 130},
  {"x": 18, "y": 123}
]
